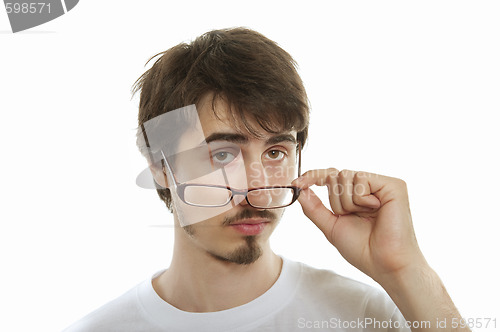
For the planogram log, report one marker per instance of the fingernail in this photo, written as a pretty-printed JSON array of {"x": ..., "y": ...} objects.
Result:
[{"x": 299, "y": 179}]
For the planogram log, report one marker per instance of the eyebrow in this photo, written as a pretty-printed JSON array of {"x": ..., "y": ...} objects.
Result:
[
  {"x": 281, "y": 138},
  {"x": 242, "y": 139},
  {"x": 230, "y": 137}
]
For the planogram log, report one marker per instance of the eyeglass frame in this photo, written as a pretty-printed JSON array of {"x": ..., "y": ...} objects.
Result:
[{"x": 180, "y": 188}]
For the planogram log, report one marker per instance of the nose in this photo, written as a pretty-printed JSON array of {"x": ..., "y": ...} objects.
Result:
[
  {"x": 256, "y": 175},
  {"x": 256, "y": 178}
]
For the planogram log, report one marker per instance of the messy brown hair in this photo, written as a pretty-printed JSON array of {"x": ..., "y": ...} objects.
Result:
[{"x": 251, "y": 73}]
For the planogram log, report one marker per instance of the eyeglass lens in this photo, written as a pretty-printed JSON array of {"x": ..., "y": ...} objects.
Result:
[{"x": 218, "y": 196}]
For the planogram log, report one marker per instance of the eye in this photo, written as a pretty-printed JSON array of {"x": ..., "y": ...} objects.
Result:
[
  {"x": 223, "y": 157},
  {"x": 275, "y": 155}
]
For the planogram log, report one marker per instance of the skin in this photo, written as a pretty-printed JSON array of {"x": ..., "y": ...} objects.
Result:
[
  {"x": 201, "y": 277},
  {"x": 368, "y": 221},
  {"x": 370, "y": 224}
]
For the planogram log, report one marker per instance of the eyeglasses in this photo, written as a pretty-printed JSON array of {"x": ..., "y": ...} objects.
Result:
[
  {"x": 207, "y": 195},
  {"x": 216, "y": 196}
]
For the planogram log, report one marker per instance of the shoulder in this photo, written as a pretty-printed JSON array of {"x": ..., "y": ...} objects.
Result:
[
  {"x": 339, "y": 293},
  {"x": 329, "y": 281},
  {"x": 325, "y": 298},
  {"x": 121, "y": 314}
]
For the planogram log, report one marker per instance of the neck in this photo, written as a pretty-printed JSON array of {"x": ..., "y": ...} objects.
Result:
[{"x": 198, "y": 282}]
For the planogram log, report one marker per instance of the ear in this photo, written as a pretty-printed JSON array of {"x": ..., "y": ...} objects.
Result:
[{"x": 159, "y": 175}]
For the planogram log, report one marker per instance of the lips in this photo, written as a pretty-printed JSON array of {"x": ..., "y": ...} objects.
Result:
[
  {"x": 250, "y": 226},
  {"x": 250, "y": 221}
]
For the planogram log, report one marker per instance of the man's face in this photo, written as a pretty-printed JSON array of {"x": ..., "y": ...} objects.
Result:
[{"x": 236, "y": 232}]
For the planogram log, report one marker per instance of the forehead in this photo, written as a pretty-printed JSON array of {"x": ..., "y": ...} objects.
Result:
[{"x": 216, "y": 116}]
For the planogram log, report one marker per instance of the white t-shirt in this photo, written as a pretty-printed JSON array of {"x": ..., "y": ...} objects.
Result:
[{"x": 302, "y": 299}]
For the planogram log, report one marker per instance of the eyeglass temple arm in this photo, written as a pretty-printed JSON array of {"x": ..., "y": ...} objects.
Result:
[
  {"x": 164, "y": 159},
  {"x": 300, "y": 157},
  {"x": 164, "y": 163}
]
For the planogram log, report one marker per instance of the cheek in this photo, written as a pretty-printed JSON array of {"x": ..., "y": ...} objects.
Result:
[{"x": 210, "y": 217}]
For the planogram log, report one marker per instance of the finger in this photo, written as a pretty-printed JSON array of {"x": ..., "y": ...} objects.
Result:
[
  {"x": 342, "y": 186},
  {"x": 346, "y": 180},
  {"x": 339, "y": 193},
  {"x": 384, "y": 188},
  {"x": 362, "y": 193},
  {"x": 335, "y": 190},
  {"x": 316, "y": 177},
  {"x": 314, "y": 209},
  {"x": 324, "y": 177},
  {"x": 346, "y": 183}
]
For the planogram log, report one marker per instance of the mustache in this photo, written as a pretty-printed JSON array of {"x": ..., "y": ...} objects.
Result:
[{"x": 248, "y": 214}]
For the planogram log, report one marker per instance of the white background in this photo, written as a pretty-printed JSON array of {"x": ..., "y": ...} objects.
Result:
[{"x": 406, "y": 89}]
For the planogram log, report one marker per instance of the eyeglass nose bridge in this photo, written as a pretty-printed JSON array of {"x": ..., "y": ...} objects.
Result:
[{"x": 239, "y": 192}]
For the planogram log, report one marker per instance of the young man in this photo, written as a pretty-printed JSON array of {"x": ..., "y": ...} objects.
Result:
[{"x": 222, "y": 121}]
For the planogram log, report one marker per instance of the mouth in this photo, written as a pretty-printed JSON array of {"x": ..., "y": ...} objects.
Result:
[{"x": 250, "y": 226}]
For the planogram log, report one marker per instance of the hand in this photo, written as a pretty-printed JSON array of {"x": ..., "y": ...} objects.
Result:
[{"x": 371, "y": 223}]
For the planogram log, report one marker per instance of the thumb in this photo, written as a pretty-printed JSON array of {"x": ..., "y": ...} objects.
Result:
[{"x": 315, "y": 210}]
